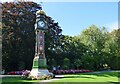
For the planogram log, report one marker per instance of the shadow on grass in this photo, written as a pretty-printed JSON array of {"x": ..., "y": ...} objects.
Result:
[
  {"x": 102, "y": 73},
  {"x": 114, "y": 74},
  {"x": 93, "y": 75}
]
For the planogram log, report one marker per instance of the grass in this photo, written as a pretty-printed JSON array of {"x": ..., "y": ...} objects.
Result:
[
  {"x": 106, "y": 77},
  {"x": 92, "y": 77},
  {"x": 17, "y": 79}
]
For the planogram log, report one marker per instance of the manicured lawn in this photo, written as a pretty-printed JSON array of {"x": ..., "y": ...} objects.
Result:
[
  {"x": 92, "y": 77},
  {"x": 17, "y": 79},
  {"x": 82, "y": 77}
]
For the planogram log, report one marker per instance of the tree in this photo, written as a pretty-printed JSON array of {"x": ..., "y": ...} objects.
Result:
[
  {"x": 66, "y": 63},
  {"x": 18, "y": 21},
  {"x": 71, "y": 48},
  {"x": 112, "y": 48},
  {"x": 78, "y": 63},
  {"x": 94, "y": 39},
  {"x": 118, "y": 52}
]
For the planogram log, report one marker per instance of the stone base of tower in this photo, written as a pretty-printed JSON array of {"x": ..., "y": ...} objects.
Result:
[
  {"x": 39, "y": 63},
  {"x": 39, "y": 72},
  {"x": 39, "y": 68},
  {"x": 43, "y": 63}
]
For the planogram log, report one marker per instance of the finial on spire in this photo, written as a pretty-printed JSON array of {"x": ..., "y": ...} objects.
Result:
[{"x": 40, "y": 12}]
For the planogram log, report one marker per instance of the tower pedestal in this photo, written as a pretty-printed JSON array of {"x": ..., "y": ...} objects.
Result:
[
  {"x": 39, "y": 67},
  {"x": 39, "y": 72},
  {"x": 43, "y": 64}
]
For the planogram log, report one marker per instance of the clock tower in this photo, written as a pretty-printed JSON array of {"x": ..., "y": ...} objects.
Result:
[{"x": 39, "y": 62}]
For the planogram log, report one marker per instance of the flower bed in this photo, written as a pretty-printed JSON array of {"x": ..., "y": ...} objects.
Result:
[
  {"x": 15, "y": 73},
  {"x": 57, "y": 72},
  {"x": 26, "y": 75},
  {"x": 70, "y": 71}
]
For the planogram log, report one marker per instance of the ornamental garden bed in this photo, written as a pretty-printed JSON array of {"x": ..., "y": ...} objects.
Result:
[
  {"x": 71, "y": 71},
  {"x": 58, "y": 72}
]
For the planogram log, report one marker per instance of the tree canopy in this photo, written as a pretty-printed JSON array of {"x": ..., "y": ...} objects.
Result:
[
  {"x": 18, "y": 30},
  {"x": 95, "y": 48}
]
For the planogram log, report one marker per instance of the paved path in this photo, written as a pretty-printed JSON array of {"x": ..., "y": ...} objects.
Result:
[
  {"x": 50, "y": 80},
  {"x": 57, "y": 77},
  {"x": 1, "y": 76}
]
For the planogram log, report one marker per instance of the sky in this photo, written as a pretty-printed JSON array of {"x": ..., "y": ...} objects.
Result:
[{"x": 74, "y": 17}]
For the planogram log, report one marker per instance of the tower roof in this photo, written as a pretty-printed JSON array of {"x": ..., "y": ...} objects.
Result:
[{"x": 40, "y": 12}]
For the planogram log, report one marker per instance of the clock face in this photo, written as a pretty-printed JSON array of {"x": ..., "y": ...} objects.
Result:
[{"x": 41, "y": 24}]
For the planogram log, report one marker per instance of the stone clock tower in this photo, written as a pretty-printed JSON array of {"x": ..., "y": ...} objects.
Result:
[{"x": 39, "y": 62}]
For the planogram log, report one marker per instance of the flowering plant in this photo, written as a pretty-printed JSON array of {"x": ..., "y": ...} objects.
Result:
[
  {"x": 15, "y": 72},
  {"x": 25, "y": 74},
  {"x": 71, "y": 71}
]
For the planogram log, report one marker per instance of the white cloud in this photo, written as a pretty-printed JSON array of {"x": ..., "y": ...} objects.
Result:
[{"x": 112, "y": 26}]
